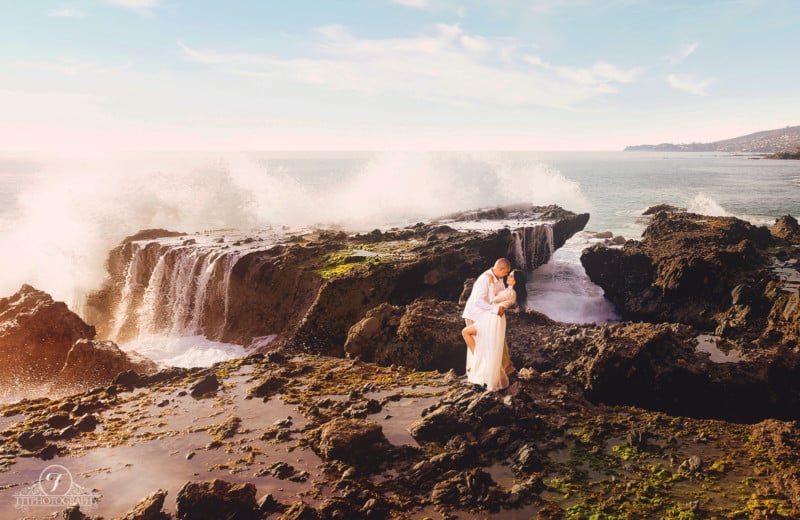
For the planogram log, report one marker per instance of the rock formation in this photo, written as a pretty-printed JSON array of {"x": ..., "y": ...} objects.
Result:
[
  {"x": 44, "y": 344},
  {"x": 718, "y": 274},
  {"x": 306, "y": 291},
  {"x": 36, "y": 334}
]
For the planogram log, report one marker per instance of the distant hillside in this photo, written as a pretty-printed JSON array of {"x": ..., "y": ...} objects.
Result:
[{"x": 768, "y": 141}]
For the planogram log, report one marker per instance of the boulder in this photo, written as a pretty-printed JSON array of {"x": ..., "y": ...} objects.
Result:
[
  {"x": 93, "y": 363},
  {"x": 149, "y": 508},
  {"x": 659, "y": 367},
  {"x": 424, "y": 335},
  {"x": 36, "y": 334},
  {"x": 684, "y": 270},
  {"x": 786, "y": 228},
  {"x": 207, "y": 385},
  {"x": 216, "y": 499},
  {"x": 358, "y": 442}
]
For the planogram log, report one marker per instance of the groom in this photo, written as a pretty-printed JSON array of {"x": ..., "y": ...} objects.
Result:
[{"x": 488, "y": 283}]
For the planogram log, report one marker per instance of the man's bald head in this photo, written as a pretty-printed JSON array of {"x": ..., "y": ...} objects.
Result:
[{"x": 501, "y": 267}]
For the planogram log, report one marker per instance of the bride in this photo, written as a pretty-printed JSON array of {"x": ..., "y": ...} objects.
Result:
[{"x": 485, "y": 364}]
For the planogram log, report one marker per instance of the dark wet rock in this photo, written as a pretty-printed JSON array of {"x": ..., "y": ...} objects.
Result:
[
  {"x": 151, "y": 234},
  {"x": 658, "y": 367},
  {"x": 468, "y": 489},
  {"x": 668, "y": 208},
  {"x": 301, "y": 511},
  {"x": 86, "y": 423},
  {"x": 683, "y": 270},
  {"x": 268, "y": 504},
  {"x": 74, "y": 513},
  {"x": 284, "y": 471},
  {"x": 786, "y": 228},
  {"x": 60, "y": 420},
  {"x": 425, "y": 335},
  {"x": 638, "y": 438},
  {"x": 92, "y": 363},
  {"x": 68, "y": 432},
  {"x": 149, "y": 508},
  {"x": 36, "y": 333},
  {"x": 126, "y": 379},
  {"x": 207, "y": 385},
  {"x": 269, "y": 386},
  {"x": 441, "y": 424},
  {"x": 528, "y": 459},
  {"x": 48, "y": 452},
  {"x": 217, "y": 499},
  {"x": 31, "y": 440},
  {"x": 691, "y": 465},
  {"x": 357, "y": 442}
]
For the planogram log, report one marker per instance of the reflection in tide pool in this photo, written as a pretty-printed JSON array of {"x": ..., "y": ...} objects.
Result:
[
  {"x": 710, "y": 345},
  {"x": 561, "y": 290}
]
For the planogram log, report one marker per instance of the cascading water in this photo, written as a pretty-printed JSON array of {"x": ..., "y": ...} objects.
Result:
[
  {"x": 533, "y": 245},
  {"x": 175, "y": 290}
]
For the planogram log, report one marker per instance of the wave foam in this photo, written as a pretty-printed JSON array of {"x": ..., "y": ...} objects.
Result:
[{"x": 74, "y": 211}]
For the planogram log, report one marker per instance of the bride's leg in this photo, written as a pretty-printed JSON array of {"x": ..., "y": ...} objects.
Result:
[{"x": 468, "y": 333}]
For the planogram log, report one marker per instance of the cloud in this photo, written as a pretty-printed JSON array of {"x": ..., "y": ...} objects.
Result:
[
  {"x": 417, "y": 4},
  {"x": 70, "y": 67},
  {"x": 140, "y": 6},
  {"x": 66, "y": 12},
  {"x": 601, "y": 75},
  {"x": 689, "y": 84},
  {"x": 445, "y": 65},
  {"x": 684, "y": 52}
]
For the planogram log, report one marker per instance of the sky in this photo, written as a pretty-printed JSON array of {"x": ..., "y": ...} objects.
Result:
[{"x": 109, "y": 75}]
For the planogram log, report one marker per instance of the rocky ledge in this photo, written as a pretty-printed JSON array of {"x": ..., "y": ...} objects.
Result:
[
  {"x": 718, "y": 274},
  {"x": 306, "y": 290}
]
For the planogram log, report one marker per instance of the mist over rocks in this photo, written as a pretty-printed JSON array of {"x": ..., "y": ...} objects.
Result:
[
  {"x": 36, "y": 334},
  {"x": 45, "y": 345}
]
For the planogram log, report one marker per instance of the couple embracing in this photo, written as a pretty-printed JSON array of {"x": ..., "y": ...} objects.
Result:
[{"x": 488, "y": 361}]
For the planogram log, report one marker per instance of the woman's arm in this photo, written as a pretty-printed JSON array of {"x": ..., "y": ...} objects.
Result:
[{"x": 505, "y": 298}]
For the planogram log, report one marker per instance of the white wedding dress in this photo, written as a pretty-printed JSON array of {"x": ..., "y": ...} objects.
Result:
[{"x": 485, "y": 365}]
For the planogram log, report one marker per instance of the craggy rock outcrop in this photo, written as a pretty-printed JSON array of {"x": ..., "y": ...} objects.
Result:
[
  {"x": 93, "y": 363},
  {"x": 305, "y": 291},
  {"x": 216, "y": 499},
  {"x": 36, "y": 333},
  {"x": 42, "y": 342},
  {"x": 149, "y": 508},
  {"x": 357, "y": 442},
  {"x": 659, "y": 367},
  {"x": 786, "y": 228},
  {"x": 713, "y": 273},
  {"x": 425, "y": 335}
]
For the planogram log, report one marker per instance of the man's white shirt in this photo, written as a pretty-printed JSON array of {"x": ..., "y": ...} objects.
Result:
[{"x": 479, "y": 300}]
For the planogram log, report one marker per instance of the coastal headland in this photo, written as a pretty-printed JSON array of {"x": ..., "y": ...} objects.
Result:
[{"x": 351, "y": 403}]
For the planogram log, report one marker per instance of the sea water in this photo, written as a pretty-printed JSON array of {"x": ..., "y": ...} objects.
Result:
[{"x": 59, "y": 217}]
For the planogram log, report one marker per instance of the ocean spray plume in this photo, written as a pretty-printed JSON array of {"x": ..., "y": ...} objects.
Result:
[
  {"x": 705, "y": 205},
  {"x": 74, "y": 212}
]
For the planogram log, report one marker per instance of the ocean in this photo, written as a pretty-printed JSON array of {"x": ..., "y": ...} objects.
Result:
[{"x": 59, "y": 217}]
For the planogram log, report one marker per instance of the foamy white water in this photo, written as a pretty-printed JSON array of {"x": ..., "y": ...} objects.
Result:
[
  {"x": 184, "y": 351},
  {"x": 561, "y": 290}
]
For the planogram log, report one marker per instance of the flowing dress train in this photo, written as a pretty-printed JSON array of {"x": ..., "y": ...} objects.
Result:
[{"x": 485, "y": 365}]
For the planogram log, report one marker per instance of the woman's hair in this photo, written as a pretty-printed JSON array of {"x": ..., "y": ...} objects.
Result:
[{"x": 520, "y": 289}]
